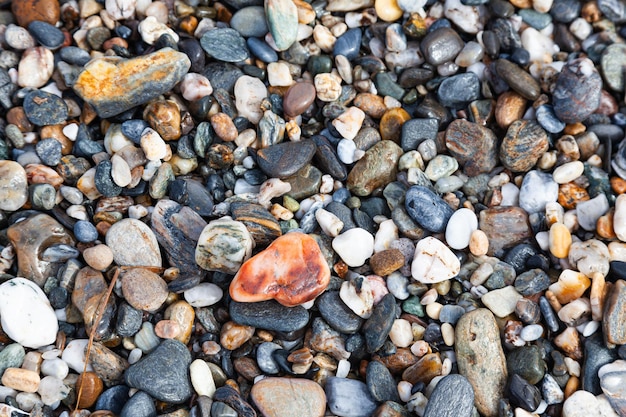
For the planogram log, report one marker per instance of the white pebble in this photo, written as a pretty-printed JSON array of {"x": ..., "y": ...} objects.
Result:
[
  {"x": 18, "y": 37},
  {"x": 401, "y": 334},
  {"x": 467, "y": 18},
  {"x": 137, "y": 211},
  {"x": 531, "y": 332},
  {"x": 52, "y": 389},
  {"x": 328, "y": 184},
  {"x": 36, "y": 67},
  {"x": 346, "y": 151},
  {"x": 433, "y": 261},
  {"x": 502, "y": 301},
  {"x": 619, "y": 219},
  {"x": 74, "y": 355},
  {"x": 568, "y": 172},
  {"x": 134, "y": 355},
  {"x": 349, "y": 122},
  {"x": 120, "y": 171},
  {"x": 202, "y": 378},
  {"x": 278, "y": 74},
  {"x": 195, "y": 86},
  {"x": 581, "y": 28},
  {"x": 26, "y": 401},
  {"x": 354, "y": 246},
  {"x": 120, "y": 9},
  {"x": 115, "y": 140},
  {"x": 387, "y": 234},
  {"x": 588, "y": 212},
  {"x": 460, "y": 227},
  {"x": 360, "y": 302},
  {"x": 249, "y": 92},
  {"x": 330, "y": 224},
  {"x": 540, "y": 46},
  {"x": 154, "y": 147},
  {"x": 55, "y": 367},
  {"x": 151, "y": 30},
  {"x": 272, "y": 188},
  {"x": 447, "y": 332},
  {"x": 203, "y": 295},
  {"x": 397, "y": 285},
  {"x": 343, "y": 368}
]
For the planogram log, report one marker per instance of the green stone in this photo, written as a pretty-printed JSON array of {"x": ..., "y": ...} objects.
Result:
[
  {"x": 413, "y": 306},
  {"x": 613, "y": 62},
  {"x": 11, "y": 356},
  {"x": 305, "y": 182},
  {"x": 287, "y": 225},
  {"x": 353, "y": 202},
  {"x": 527, "y": 362},
  {"x": 282, "y": 19},
  {"x": 319, "y": 64},
  {"x": 386, "y": 86},
  {"x": 161, "y": 180},
  {"x": 598, "y": 183},
  {"x": 4, "y": 150},
  {"x": 290, "y": 204},
  {"x": 203, "y": 138}
]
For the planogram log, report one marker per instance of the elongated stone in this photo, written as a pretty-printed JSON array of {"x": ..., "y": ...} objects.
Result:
[
  {"x": 481, "y": 359},
  {"x": 376, "y": 169},
  {"x": 282, "y": 19},
  {"x": 614, "y": 323},
  {"x": 112, "y": 85}
]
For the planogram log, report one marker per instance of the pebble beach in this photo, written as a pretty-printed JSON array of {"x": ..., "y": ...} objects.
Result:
[{"x": 326, "y": 208}]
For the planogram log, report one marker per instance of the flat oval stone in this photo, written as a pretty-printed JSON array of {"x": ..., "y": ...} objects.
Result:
[
  {"x": 250, "y": 22},
  {"x": 481, "y": 359},
  {"x": 518, "y": 79},
  {"x": 133, "y": 244},
  {"x": 163, "y": 373},
  {"x": 348, "y": 44},
  {"x": 43, "y": 108},
  {"x": 337, "y": 314},
  {"x": 453, "y": 396},
  {"x": 441, "y": 45},
  {"x": 381, "y": 383},
  {"x": 377, "y": 327},
  {"x": 143, "y": 289},
  {"x": 427, "y": 208},
  {"x": 13, "y": 186},
  {"x": 284, "y": 159},
  {"x": 298, "y": 98},
  {"x": 459, "y": 90},
  {"x": 289, "y": 397},
  {"x": 577, "y": 91},
  {"x": 223, "y": 246},
  {"x": 349, "y": 398},
  {"x": 269, "y": 315},
  {"x": 527, "y": 362},
  {"x": 292, "y": 270},
  {"x": 46, "y": 34},
  {"x": 225, "y": 44},
  {"x": 130, "y": 82},
  {"x": 282, "y": 19}
]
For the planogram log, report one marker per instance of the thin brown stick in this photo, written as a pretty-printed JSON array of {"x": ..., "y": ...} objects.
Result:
[{"x": 92, "y": 333}]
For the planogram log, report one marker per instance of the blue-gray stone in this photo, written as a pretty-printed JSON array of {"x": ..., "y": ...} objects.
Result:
[
  {"x": 264, "y": 358},
  {"x": 104, "y": 180},
  {"x": 49, "y": 151},
  {"x": 535, "y": 19},
  {"x": 565, "y": 11},
  {"x": 269, "y": 315},
  {"x": 377, "y": 327},
  {"x": 459, "y": 90},
  {"x": 192, "y": 194},
  {"x": 308, "y": 222},
  {"x": 453, "y": 396},
  {"x": 343, "y": 212},
  {"x": 250, "y": 22},
  {"x": 548, "y": 120},
  {"x": 596, "y": 356},
  {"x": 349, "y": 398},
  {"x": 548, "y": 314},
  {"x": 337, "y": 314},
  {"x": 163, "y": 373},
  {"x": 139, "y": 405},
  {"x": 577, "y": 91},
  {"x": 43, "y": 108},
  {"x": 262, "y": 50},
  {"x": 614, "y": 10},
  {"x": 386, "y": 86},
  {"x": 225, "y": 44},
  {"x": 327, "y": 160},
  {"x": 538, "y": 189},
  {"x": 113, "y": 399},
  {"x": 46, "y": 34},
  {"x": 74, "y": 55},
  {"x": 451, "y": 313},
  {"x": 284, "y": 159},
  {"x": 380, "y": 382},
  {"x": 59, "y": 253},
  {"x": 129, "y": 320},
  {"x": 523, "y": 394},
  {"x": 428, "y": 209},
  {"x": 85, "y": 231},
  {"x": 416, "y": 131},
  {"x": 133, "y": 129},
  {"x": 532, "y": 282},
  {"x": 348, "y": 44}
]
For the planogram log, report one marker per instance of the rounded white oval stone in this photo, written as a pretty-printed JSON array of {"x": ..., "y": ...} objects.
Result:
[
  {"x": 203, "y": 295},
  {"x": 460, "y": 227},
  {"x": 26, "y": 314},
  {"x": 434, "y": 262},
  {"x": 354, "y": 247}
]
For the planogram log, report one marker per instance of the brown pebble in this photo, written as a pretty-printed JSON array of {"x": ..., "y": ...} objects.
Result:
[
  {"x": 247, "y": 368},
  {"x": 167, "y": 329},
  {"x": 21, "y": 379},
  {"x": 387, "y": 261},
  {"x": 188, "y": 24},
  {"x": 298, "y": 98},
  {"x": 571, "y": 194},
  {"x": 56, "y": 132},
  {"x": 99, "y": 257},
  {"x": 17, "y": 116},
  {"x": 391, "y": 124},
  {"x": 424, "y": 370},
  {"x": 224, "y": 127},
  {"x": 509, "y": 108},
  {"x": 26, "y": 11},
  {"x": 373, "y": 105},
  {"x": 234, "y": 335},
  {"x": 604, "y": 225},
  {"x": 575, "y": 128},
  {"x": 92, "y": 387},
  {"x": 164, "y": 117},
  {"x": 41, "y": 174},
  {"x": 184, "y": 315},
  {"x": 144, "y": 289},
  {"x": 608, "y": 104},
  {"x": 479, "y": 243},
  {"x": 116, "y": 41},
  {"x": 618, "y": 185},
  {"x": 572, "y": 385},
  {"x": 591, "y": 12},
  {"x": 569, "y": 342},
  {"x": 399, "y": 361}
]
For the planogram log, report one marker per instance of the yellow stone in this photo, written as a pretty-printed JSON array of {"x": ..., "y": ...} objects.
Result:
[
  {"x": 21, "y": 379},
  {"x": 560, "y": 240},
  {"x": 388, "y": 10},
  {"x": 182, "y": 313}
]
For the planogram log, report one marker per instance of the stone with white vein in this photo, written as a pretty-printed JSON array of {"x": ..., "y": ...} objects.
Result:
[{"x": 434, "y": 262}]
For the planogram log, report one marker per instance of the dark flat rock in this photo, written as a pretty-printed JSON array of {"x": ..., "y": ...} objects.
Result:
[{"x": 269, "y": 315}]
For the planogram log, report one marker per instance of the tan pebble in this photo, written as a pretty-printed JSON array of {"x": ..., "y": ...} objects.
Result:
[
  {"x": 617, "y": 251},
  {"x": 560, "y": 240},
  {"x": 92, "y": 387},
  {"x": 211, "y": 348},
  {"x": 388, "y": 10},
  {"x": 224, "y": 127},
  {"x": 234, "y": 335},
  {"x": 569, "y": 342},
  {"x": 144, "y": 289},
  {"x": 604, "y": 225},
  {"x": 509, "y": 108},
  {"x": 568, "y": 172},
  {"x": 306, "y": 14},
  {"x": 597, "y": 296},
  {"x": 479, "y": 243},
  {"x": 22, "y": 380},
  {"x": 372, "y": 104},
  {"x": 167, "y": 329},
  {"x": 164, "y": 117},
  {"x": 572, "y": 385},
  {"x": 41, "y": 174},
  {"x": 575, "y": 128},
  {"x": 618, "y": 185},
  {"x": 278, "y": 74},
  {"x": 522, "y": 4},
  {"x": 324, "y": 38},
  {"x": 153, "y": 146},
  {"x": 591, "y": 12},
  {"x": 36, "y": 67},
  {"x": 99, "y": 257},
  {"x": 184, "y": 315},
  {"x": 349, "y": 122},
  {"x": 328, "y": 86},
  {"x": 570, "y": 286}
]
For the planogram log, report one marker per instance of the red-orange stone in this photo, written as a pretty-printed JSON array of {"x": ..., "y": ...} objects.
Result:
[{"x": 292, "y": 271}]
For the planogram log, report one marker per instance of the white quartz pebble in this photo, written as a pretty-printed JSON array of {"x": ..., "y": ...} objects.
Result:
[
  {"x": 56, "y": 367},
  {"x": 619, "y": 220},
  {"x": 502, "y": 301},
  {"x": 52, "y": 389},
  {"x": 401, "y": 334},
  {"x": 330, "y": 224},
  {"x": 195, "y": 86},
  {"x": 278, "y": 74},
  {"x": 203, "y": 295},
  {"x": 153, "y": 146},
  {"x": 249, "y": 92},
  {"x": 387, "y": 234},
  {"x": 354, "y": 246},
  {"x": 460, "y": 227},
  {"x": 361, "y": 302},
  {"x": 202, "y": 378},
  {"x": 151, "y": 30},
  {"x": 26, "y": 314},
  {"x": 74, "y": 355},
  {"x": 568, "y": 172},
  {"x": 349, "y": 122},
  {"x": 433, "y": 261}
]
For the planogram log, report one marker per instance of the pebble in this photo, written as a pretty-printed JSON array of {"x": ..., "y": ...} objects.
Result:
[
  {"x": 13, "y": 186},
  {"x": 269, "y": 315},
  {"x": 354, "y": 246},
  {"x": 289, "y": 397},
  {"x": 144, "y": 290},
  {"x": 502, "y": 301},
  {"x": 428, "y": 209},
  {"x": 250, "y": 22},
  {"x": 132, "y": 233},
  {"x": 223, "y": 246},
  {"x": 348, "y": 397},
  {"x": 433, "y": 261},
  {"x": 460, "y": 228},
  {"x": 462, "y": 139},
  {"x": 35, "y": 68},
  {"x": 580, "y": 83},
  {"x": 453, "y": 396},
  {"x": 282, "y": 21}
]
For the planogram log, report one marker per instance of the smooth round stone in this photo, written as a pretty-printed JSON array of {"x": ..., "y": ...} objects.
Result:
[
  {"x": 74, "y": 55},
  {"x": 26, "y": 314},
  {"x": 163, "y": 373},
  {"x": 577, "y": 91},
  {"x": 532, "y": 332},
  {"x": 223, "y": 245},
  {"x": 427, "y": 209},
  {"x": 381, "y": 383},
  {"x": 538, "y": 189},
  {"x": 460, "y": 227},
  {"x": 269, "y": 315},
  {"x": 250, "y": 22},
  {"x": 139, "y": 405},
  {"x": 535, "y": 19},
  {"x": 224, "y": 44},
  {"x": 12, "y": 356},
  {"x": 203, "y": 295},
  {"x": 354, "y": 246},
  {"x": 548, "y": 120},
  {"x": 301, "y": 397},
  {"x": 441, "y": 166},
  {"x": 588, "y": 212},
  {"x": 262, "y": 50},
  {"x": 113, "y": 399},
  {"x": 453, "y": 396},
  {"x": 133, "y": 244},
  {"x": 265, "y": 359},
  {"x": 337, "y": 314},
  {"x": 285, "y": 159},
  {"x": 349, "y": 397},
  {"x": 249, "y": 92},
  {"x": 459, "y": 90},
  {"x": 348, "y": 44},
  {"x": 49, "y": 151},
  {"x": 518, "y": 79},
  {"x": 568, "y": 172},
  {"x": 441, "y": 45},
  {"x": 18, "y": 38},
  {"x": 43, "y": 108},
  {"x": 565, "y": 11},
  {"x": 451, "y": 313},
  {"x": 143, "y": 289},
  {"x": 46, "y": 34},
  {"x": 42, "y": 196},
  {"x": 85, "y": 231},
  {"x": 298, "y": 98},
  {"x": 532, "y": 282},
  {"x": 613, "y": 58}
]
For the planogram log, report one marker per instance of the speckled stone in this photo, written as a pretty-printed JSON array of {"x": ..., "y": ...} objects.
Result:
[
  {"x": 43, "y": 108},
  {"x": 577, "y": 91},
  {"x": 453, "y": 396},
  {"x": 375, "y": 170},
  {"x": 523, "y": 145},
  {"x": 473, "y": 145},
  {"x": 133, "y": 244},
  {"x": 289, "y": 397},
  {"x": 225, "y": 44}
]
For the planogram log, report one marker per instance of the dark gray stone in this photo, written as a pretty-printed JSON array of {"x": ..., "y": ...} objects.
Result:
[
  {"x": 596, "y": 356},
  {"x": 377, "y": 327},
  {"x": 43, "y": 108},
  {"x": 285, "y": 159},
  {"x": 225, "y": 44},
  {"x": 527, "y": 362},
  {"x": 380, "y": 383},
  {"x": 427, "y": 209},
  {"x": 415, "y": 131},
  {"x": 523, "y": 394},
  {"x": 459, "y": 90},
  {"x": 269, "y": 315},
  {"x": 139, "y": 405},
  {"x": 337, "y": 314},
  {"x": 113, "y": 399},
  {"x": 349, "y": 398},
  {"x": 453, "y": 396}
]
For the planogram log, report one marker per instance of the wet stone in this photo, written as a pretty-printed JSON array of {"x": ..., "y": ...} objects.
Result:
[
  {"x": 453, "y": 396},
  {"x": 164, "y": 373},
  {"x": 260, "y": 223},
  {"x": 527, "y": 362},
  {"x": 113, "y": 399},
  {"x": 269, "y": 315},
  {"x": 518, "y": 79},
  {"x": 377, "y": 327},
  {"x": 337, "y": 314},
  {"x": 381, "y": 383},
  {"x": 139, "y": 405},
  {"x": 459, "y": 90},
  {"x": 428, "y": 209},
  {"x": 43, "y": 108},
  {"x": 441, "y": 45},
  {"x": 348, "y": 44},
  {"x": 577, "y": 91},
  {"x": 349, "y": 398},
  {"x": 224, "y": 44},
  {"x": 192, "y": 194},
  {"x": 283, "y": 160}
]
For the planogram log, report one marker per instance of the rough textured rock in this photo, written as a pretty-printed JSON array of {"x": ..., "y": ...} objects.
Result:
[{"x": 376, "y": 169}]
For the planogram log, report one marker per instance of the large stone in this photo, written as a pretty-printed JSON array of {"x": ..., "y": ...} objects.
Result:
[
  {"x": 133, "y": 244},
  {"x": 614, "y": 323},
  {"x": 453, "y": 396},
  {"x": 223, "y": 246},
  {"x": 522, "y": 146},
  {"x": 13, "y": 186},
  {"x": 289, "y": 397},
  {"x": 292, "y": 270},
  {"x": 376, "y": 169},
  {"x": 481, "y": 359},
  {"x": 505, "y": 227},
  {"x": 30, "y": 238},
  {"x": 473, "y": 145},
  {"x": 112, "y": 85}
]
